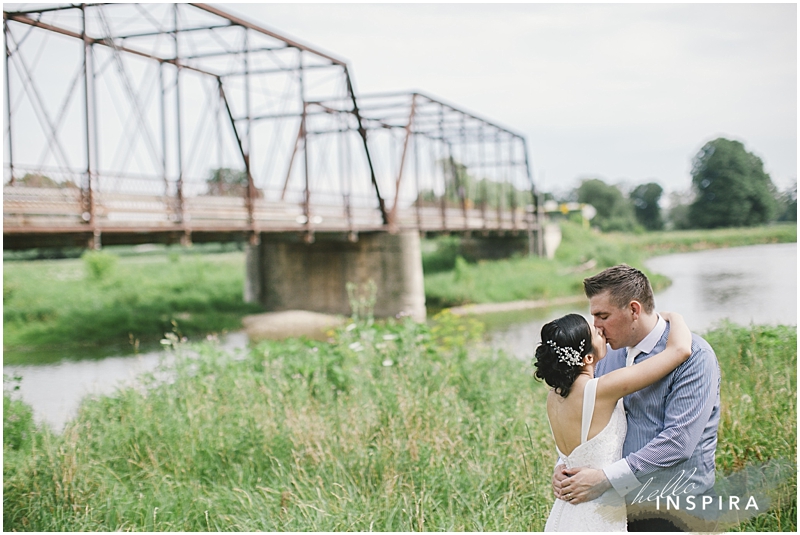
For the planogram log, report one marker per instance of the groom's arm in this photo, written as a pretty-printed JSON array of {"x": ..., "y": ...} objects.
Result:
[{"x": 688, "y": 409}]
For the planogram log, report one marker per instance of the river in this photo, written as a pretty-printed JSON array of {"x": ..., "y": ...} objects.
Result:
[{"x": 754, "y": 284}]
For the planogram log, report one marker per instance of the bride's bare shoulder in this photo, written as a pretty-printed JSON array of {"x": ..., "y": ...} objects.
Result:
[{"x": 575, "y": 392}]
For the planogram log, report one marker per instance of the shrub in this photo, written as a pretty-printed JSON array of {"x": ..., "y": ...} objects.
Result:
[{"x": 99, "y": 264}]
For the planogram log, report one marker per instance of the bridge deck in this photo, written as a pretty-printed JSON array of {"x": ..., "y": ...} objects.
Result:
[{"x": 46, "y": 217}]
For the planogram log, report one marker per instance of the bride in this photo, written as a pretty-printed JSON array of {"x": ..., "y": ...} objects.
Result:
[{"x": 586, "y": 415}]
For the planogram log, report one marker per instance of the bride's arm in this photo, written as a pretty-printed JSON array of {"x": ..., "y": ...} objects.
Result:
[{"x": 621, "y": 382}]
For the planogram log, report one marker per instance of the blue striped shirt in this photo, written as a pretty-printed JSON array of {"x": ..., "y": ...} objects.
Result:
[{"x": 672, "y": 426}]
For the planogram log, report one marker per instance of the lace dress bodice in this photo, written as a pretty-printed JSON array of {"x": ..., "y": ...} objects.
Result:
[{"x": 607, "y": 512}]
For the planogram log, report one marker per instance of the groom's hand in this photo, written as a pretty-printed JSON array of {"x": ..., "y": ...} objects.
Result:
[
  {"x": 583, "y": 484},
  {"x": 559, "y": 475}
]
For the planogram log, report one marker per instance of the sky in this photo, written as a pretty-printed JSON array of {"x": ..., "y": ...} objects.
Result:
[{"x": 628, "y": 93}]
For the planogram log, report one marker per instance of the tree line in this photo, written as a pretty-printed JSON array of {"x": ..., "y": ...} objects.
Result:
[{"x": 729, "y": 189}]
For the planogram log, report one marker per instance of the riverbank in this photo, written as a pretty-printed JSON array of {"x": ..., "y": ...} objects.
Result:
[
  {"x": 583, "y": 252},
  {"x": 392, "y": 427},
  {"x": 109, "y": 305},
  {"x": 685, "y": 241}
]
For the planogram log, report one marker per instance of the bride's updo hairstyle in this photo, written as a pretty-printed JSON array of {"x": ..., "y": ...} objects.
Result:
[{"x": 562, "y": 340}]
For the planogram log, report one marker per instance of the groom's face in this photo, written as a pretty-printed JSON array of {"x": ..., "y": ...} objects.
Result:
[{"x": 615, "y": 323}]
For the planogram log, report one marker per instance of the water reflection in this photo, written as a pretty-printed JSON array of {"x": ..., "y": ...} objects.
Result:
[
  {"x": 722, "y": 288},
  {"x": 755, "y": 284}
]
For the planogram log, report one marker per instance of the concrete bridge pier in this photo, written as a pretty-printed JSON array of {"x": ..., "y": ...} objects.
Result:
[
  {"x": 285, "y": 273},
  {"x": 475, "y": 248}
]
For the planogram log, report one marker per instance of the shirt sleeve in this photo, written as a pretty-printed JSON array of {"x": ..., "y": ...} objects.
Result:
[
  {"x": 689, "y": 405},
  {"x": 621, "y": 477}
]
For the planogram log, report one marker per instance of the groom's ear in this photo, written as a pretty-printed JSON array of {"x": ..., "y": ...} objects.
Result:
[{"x": 635, "y": 308}]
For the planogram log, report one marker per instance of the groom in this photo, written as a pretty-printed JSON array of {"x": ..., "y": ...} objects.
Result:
[{"x": 672, "y": 425}]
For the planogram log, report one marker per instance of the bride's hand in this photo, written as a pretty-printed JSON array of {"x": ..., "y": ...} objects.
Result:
[{"x": 680, "y": 337}]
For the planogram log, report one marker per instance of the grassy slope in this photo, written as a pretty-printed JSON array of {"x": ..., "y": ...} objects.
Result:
[
  {"x": 526, "y": 277},
  {"x": 391, "y": 428},
  {"x": 683, "y": 241}
]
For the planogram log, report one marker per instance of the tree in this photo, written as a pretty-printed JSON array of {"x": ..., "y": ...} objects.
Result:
[
  {"x": 458, "y": 183},
  {"x": 229, "y": 183},
  {"x": 788, "y": 204},
  {"x": 614, "y": 212},
  {"x": 645, "y": 198},
  {"x": 731, "y": 187},
  {"x": 678, "y": 215},
  {"x": 35, "y": 180}
]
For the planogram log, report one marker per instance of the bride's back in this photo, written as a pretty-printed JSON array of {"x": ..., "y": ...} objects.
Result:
[{"x": 565, "y": 415}]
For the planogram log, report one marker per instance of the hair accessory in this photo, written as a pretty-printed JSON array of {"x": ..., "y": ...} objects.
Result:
[{"x": 570, "y": 355}]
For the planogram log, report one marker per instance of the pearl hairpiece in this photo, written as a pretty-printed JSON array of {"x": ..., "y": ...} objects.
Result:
[{"x": 570, "y": 355}]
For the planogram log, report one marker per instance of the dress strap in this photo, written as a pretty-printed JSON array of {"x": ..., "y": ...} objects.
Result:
[{"x": 589, "y": 394}]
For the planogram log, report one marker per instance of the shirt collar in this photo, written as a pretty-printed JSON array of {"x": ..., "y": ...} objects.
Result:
[{"x": 649, "y": 342}]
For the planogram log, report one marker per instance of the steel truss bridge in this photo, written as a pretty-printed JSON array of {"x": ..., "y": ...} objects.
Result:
[{"x": 139, "y": 123}]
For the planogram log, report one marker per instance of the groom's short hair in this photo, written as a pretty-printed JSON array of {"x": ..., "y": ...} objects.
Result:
[{"x": 625, "y": 284}]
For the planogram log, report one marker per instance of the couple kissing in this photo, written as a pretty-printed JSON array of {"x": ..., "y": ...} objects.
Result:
[{"x": 634, "y": 409}]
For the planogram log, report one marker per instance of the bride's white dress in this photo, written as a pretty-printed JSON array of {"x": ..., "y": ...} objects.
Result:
[{"x": 607, "y": 512}]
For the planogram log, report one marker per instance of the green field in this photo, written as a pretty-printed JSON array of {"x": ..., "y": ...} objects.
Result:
[
  {"x": 397, "y": 427},
  {"x": 103, "y": 305}
]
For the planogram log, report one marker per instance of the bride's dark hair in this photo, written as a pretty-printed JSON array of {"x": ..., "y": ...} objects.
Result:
[{"x": 565, "y": 332}]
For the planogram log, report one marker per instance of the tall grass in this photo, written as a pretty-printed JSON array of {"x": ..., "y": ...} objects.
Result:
[
  {"x": 759, "y": 411},
  {"x": 390, "y": 427}
]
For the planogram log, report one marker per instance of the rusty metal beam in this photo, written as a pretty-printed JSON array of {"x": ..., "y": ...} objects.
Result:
[
  {"x": 50, "y": 9},
  {"x": 270, "y": 33},
  {"x": 437, "y": 101},
  {"x": 403, "y": 157},
  {"x": 8, "y": 105},
  {"x": 104, "y": 42},
  {"x": 182, "y": 30},
  {"x": 363, "y": 133},
  {"x": 233, "y": 52},
  {"x": 88, "y": 100},
  {"x": 242, "y": 152},
  {"x": 300, "y": 133}
]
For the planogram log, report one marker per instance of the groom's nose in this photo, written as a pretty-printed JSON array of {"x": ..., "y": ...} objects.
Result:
[{"x": 599, "y": 326}]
